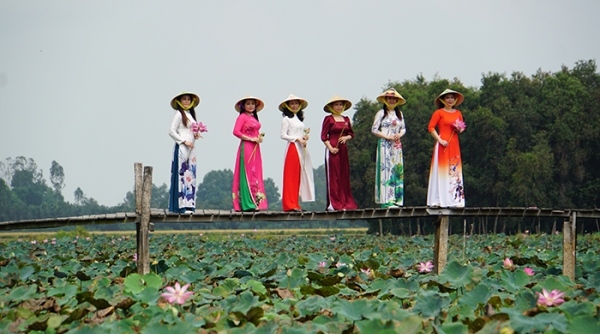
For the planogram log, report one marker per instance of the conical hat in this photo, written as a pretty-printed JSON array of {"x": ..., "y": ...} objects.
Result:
[
  {"x": 336, "y": 98},
  {"x": 195, "y": 99},
  {"x": 459, "y": 98},
  {"x": 391, "y": 92},
  {"x": 259, "y": 103},
  {"x": 303, "y": 102}
]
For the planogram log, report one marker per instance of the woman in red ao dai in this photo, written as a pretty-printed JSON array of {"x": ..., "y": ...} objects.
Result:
[{"x": 298, "y": 180}]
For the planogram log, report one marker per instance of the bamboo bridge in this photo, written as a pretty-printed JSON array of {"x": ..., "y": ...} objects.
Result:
[{"x": 145, "y": 218}]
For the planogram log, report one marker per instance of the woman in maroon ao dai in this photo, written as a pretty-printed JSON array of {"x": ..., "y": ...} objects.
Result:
[{"x": 335, "y": 133}]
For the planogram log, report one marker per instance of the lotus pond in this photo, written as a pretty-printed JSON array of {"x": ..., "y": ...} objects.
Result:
[{"x": 252, "y": 283}]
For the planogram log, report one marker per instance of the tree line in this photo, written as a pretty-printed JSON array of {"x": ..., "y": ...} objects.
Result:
[{"x": 530, "y": 142}]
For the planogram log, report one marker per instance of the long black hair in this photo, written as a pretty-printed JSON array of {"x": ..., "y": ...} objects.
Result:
[
  {"x": 242, "y": 109},
  {"x": 288, "y": 113},
  {"x": 396, "y": 110}
]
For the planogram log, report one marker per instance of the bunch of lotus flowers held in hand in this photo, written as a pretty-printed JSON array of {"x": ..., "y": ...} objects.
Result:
[
  {"x": 458, "y": 126},
  {"x": 198, "y": 127}
]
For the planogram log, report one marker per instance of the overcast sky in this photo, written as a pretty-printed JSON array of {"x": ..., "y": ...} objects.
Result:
[{"x": 88, "y": 83}]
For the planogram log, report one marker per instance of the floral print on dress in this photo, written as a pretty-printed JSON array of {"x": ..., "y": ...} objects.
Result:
[
  {"x": 389, "y": 187},
  {"x": 187, "y": 183},
  {"x": 456, "y": 184}
]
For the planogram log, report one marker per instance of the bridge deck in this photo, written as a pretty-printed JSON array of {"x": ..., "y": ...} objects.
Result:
[{"x": 212, "y": 216}]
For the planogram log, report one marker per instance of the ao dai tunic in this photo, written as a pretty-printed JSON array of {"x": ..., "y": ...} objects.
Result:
[
  {"x": 446, "y": 188},
  {"x": 297, "y": 170},
  {"x": 389, "y": 178},
  {"x": 182, "y": 193},
  {"x": 337, "y": 166},
  {"x": 248, "y": 190}
]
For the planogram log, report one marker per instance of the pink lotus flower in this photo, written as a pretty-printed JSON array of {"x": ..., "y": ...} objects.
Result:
[
  {"x": 33, "y": 242},
  {"x": 425, "y": 267},
  {"x": 459, "y": 126},
  {"x": 306, "y": 133},
  {"x": 340, "y": 264},
  {"x": 87, "y": 238},
  {"x": 332, "y": 238},
  {"x": 529, "y": 271},
  {"x": 322, "y": 264},
  {"x": 178, "y": 294},
  {"x": 135, "y": 258},
  {"x": 553, "y": 298},
  {"x": 198, "y": 127},
  {"x": 367, "y": 271},
  {"x": 45, "y": 241},
  {"x": 508, "y": 264},
  {"x": 242, "y": 235},
  {"x": 53, "y": 242}
]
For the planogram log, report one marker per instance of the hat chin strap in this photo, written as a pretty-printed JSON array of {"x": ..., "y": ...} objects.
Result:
[
  {"x": 391, "y": 106},
  {"x": 290, "y": 109},
  {"x": 333, "y": 111},
  {"x": 185, "y": 108},
  {"x": 446, "y": 104}
]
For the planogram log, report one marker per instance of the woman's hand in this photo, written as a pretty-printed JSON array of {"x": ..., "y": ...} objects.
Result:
[
  {"x": 344, "y": 139},
  {"x": 394, "y": 137},
  {"x": 188, "y": 144},
  {"x": 302, "y": 141},
  {"x": 334, "y": 150},
  {"x": 197, "y": 135},
  {"x": 259, "y": 139},
  {"x": 443, "y": 142}
]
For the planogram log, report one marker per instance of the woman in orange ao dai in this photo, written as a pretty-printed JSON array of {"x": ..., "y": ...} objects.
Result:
[{"x": 446, "y": 187}]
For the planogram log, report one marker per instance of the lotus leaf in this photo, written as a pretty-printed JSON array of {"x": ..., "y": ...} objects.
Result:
[
  {"x": 431, "y": 303},
  {"x": 245, "y": 302},
  {"x": 135, "y": 283},
  {"x": 256, "y": 286},
  {"x": 513, "y": 282},
  {"x": 355, "y": 310},
  {"x": 456, "y": 276},
  {"x": 583, "y": 324}
]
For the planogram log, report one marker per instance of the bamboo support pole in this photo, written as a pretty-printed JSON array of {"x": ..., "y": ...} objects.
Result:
[
  {"x": 138, "y": 187},
  {"x": 440, "y": 247},
  {"x": 570, "y": 246},
  {"x": 143, "y": 251},
  {"x": 137, "y": 194}
]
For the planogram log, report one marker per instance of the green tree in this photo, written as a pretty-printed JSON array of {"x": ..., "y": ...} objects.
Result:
[
  {"x": 215, "y": 190},
  {"x": 57, "y": 177},
  {"x": 320, "y": 202},
  {"x": 29, "y": 190},
  {"x": 273, "y": 196}
]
